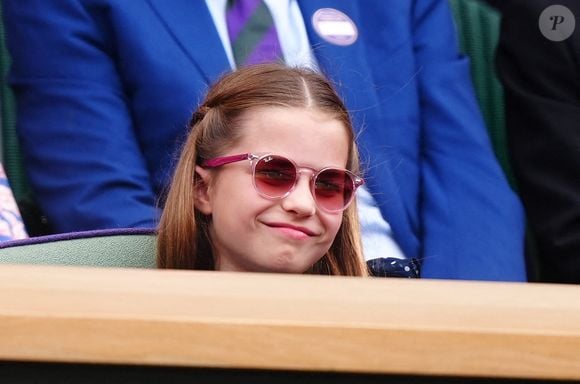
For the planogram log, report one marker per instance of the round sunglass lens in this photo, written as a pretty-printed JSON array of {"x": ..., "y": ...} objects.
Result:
[
  {"x": 274, "y": 176},
  {"x": 333, "y": 189}
]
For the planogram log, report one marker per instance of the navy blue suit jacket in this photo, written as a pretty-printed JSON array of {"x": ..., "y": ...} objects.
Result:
[{"x": 105, "y": 88}]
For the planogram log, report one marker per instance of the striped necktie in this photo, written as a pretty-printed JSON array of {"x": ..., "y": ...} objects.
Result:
[{"x": 252, "y": 32}]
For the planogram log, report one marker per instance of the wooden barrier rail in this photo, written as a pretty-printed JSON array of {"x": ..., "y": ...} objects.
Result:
[{"x": 290, "y": 323}]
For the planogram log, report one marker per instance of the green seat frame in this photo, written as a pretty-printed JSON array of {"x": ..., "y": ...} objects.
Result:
[{"x": 122, "y": 248}]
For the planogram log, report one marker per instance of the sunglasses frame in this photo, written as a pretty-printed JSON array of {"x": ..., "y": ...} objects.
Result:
[{"x": 255, "y": 159}]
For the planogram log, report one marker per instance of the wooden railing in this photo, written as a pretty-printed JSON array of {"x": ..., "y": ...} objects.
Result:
[{"x": 290, "y": 323}]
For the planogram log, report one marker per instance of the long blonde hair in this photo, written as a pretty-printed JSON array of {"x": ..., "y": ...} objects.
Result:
[{"x": 183, "y": 232}]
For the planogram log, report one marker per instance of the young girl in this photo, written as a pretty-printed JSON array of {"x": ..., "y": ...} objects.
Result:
[{"x": 266, "y": 180}]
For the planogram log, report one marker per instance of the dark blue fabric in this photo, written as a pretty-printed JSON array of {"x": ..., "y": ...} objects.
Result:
[
  {"x": 105, "y": 88},
  {"x": 391, "y": 267}
]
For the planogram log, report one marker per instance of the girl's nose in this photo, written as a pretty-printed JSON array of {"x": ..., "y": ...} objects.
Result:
[{"x": 300, "y": 201}]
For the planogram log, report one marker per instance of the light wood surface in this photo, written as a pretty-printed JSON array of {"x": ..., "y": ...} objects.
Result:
[{"x": 311, "y": 323}]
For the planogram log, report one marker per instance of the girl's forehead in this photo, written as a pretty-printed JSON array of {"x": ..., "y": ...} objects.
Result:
[
  {"x": 276, "y": 121},
  {"x": 310, "y": 136}
]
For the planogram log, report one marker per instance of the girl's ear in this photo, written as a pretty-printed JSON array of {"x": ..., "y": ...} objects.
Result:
[{"x": 202, "y": 200}]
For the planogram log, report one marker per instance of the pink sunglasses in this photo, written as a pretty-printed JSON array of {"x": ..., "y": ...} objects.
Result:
[{"x": 275, "y": 177}]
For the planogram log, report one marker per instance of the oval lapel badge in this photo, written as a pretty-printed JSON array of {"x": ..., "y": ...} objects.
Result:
[{"x": 334, "y": 26}]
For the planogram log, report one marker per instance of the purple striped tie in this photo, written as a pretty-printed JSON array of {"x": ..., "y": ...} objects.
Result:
[{"x": 252, "y": 32}]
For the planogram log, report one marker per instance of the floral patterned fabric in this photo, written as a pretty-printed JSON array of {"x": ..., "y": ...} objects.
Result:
[{"x": 11, "y": 225}]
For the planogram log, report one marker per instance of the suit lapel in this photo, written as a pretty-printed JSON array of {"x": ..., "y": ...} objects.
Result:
[
  {"x": 346, "y": 66},
  {"x": 192, "y": 27}
]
